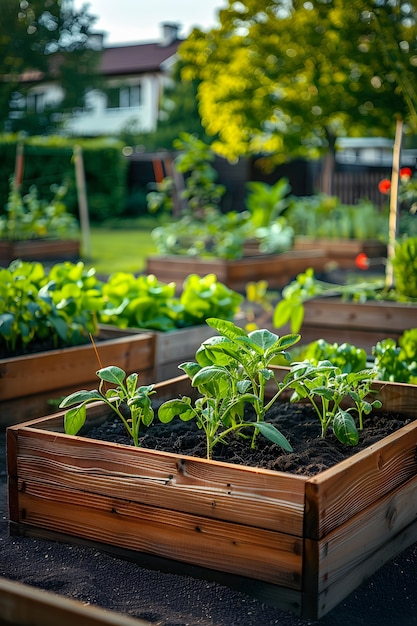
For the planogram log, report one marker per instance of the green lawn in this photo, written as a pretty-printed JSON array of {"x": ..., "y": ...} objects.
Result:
[{"x": 121, "y": 249}]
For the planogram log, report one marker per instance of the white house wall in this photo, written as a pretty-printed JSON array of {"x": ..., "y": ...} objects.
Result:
[{"x": 98, "y": 119}]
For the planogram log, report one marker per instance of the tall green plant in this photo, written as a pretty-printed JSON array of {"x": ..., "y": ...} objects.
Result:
[
  {"x": 404, "y": 265},
  {"x": 29, "y": 217}
]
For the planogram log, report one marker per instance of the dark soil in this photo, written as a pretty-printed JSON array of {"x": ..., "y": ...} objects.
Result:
[{"x": 311, "y": 453}]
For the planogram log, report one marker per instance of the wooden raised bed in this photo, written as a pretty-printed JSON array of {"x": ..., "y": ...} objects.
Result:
[
  {"x": 277, "y": 269},
  {"x": 28, "y": 383},
  {"x": 343, "y": 252},
  {"x": 300, "y": 543},
  {"x": 24, "y": 605},
  {"x": 39, "y": 250},
  {"x": 361, "y": 324}
]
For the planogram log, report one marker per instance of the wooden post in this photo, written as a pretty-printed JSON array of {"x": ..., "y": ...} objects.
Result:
[
  {"x": 82, "y": 201},
  {"x": 19, "y": 165},
  {"x": 393, "y": 207}
]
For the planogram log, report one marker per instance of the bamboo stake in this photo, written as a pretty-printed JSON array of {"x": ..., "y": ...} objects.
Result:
[{"x": 393, "y": 206}]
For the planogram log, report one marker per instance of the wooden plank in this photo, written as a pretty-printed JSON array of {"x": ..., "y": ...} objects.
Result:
[
  {"x": 274, "y": 595},
  {"x": 341, "y": 561},
  {"x": 234, "y": 548},
  {"x": 339, "y": 493},
  {"x": 262, "y": 498},
  {"x": 42, "y": 372},
  {"x": 382, "y": 316},
  {"x": 277, "y": 269},
  {"x": 23, "y": 605}
]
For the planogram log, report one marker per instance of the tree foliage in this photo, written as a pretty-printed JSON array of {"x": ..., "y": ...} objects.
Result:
[
  {"x": 287, "y": 78},
  {"x": 46, "y": 38}
]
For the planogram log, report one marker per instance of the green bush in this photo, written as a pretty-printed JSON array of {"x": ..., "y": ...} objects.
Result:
[{"x": 49, "y": 161}]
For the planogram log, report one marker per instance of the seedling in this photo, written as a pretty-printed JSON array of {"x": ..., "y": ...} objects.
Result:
[
  {"x": 326, "y": 387},
  {"x": 125, "y": 394},
  {"x": 231, "y": 370}
]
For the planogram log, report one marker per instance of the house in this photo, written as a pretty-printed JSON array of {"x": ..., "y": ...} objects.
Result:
[{"x": 134, "y": 79}]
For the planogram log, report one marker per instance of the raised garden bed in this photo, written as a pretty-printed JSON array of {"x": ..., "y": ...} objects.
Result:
[
  {"x": 39, "y": 250},
  {"x": 343, "y": 252},
  {"x": 28, "y": 383},
  {"x": 304, "y": 542},
  {"x": 361, "y": 324},
  {"x": 277, "y": 269}
]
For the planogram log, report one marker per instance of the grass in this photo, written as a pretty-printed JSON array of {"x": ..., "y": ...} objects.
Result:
[{"x": 121, "y": 246}]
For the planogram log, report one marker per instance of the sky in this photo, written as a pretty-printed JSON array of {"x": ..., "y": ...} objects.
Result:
[{"x": 131, "y": 21}]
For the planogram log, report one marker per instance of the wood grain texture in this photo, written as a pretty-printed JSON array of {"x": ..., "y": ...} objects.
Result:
[
  {"x": 48, "y": 371},
  {"x": 235, "y": 548},
  {"x": 339, "y": 493},
  {"x": 260, "y": 498},
  {"x": 277, "y": 269},
  {"x": 342, "y": 560},
  {"x": 24, "y": 605}
]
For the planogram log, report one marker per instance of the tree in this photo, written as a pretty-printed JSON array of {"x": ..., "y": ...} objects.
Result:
[
  {"x": 44, "y": 39},
  {"x": 286, "y": 78}
]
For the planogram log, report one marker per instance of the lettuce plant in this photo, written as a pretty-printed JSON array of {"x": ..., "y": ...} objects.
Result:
[{"x": 37, "y": 309}]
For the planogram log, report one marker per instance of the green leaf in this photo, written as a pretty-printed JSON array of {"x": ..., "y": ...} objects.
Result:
[
  {"x": 282, "y": 313},
  {"x": 80, "y": 396},
  {"x": 173, "y": 408},
  {"x": 344, "y": 428},
  {"x": 262, "y": 338},
  {"x": 323, "y": 392},
  {"x": 226, "y": 328},
  {"x": 273, "y": 434},
  {"x": 112, "y": 374},
  {"x": 297, "y": 317},
  {"x": 208, "y": 375},
  {"x": 190, "y": 368},
  {"x": 74, "y": 419}
]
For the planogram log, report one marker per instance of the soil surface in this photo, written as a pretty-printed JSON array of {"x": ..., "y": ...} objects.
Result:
[
  {"x": 167, "y": 598},
  {"x": 297, "y": 422}
]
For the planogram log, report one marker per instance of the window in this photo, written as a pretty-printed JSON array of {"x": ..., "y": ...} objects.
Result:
[
  {"x": 36, "y": 102},
  {"x": 130, "y": 96}
]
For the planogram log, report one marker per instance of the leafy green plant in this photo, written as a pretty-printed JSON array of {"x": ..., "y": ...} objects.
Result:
[
  {"x": 28, "y": 217},
  {"x": 397, "y": 362},
  {"x": 231, "y": 370},
  {"x": 217, "y": 235},
  {"x": 126, "y": 395},
  {"x": 202, "y": 229},
  {"x": 306, "y": 287},
  {"x": 404, "y": 265},
  {"x": 145, "y": 302},
  {"x": 201, "y": 190},
  {"x": 325, "y": 216},
  {"x": 325, "y": 386},
  {"x": 266, "y": 202},
  {"x": 56, "y": 309},
  {"x": 345, "y": 356}
]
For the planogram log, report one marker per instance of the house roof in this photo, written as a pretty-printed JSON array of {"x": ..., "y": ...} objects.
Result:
[{"x": 136, "y": 58}]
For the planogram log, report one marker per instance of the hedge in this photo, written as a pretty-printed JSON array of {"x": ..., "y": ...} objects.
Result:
[{"x": 49, "y": 160}]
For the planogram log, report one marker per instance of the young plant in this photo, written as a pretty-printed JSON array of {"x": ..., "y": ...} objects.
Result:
[
  {"x": 126, "y": 394},
  {"x": 306, "y": 287},
  {"x": 231, "y": 370},
  {"x": 326, "y": 387},
  {"x": 397, "y": 361}
]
